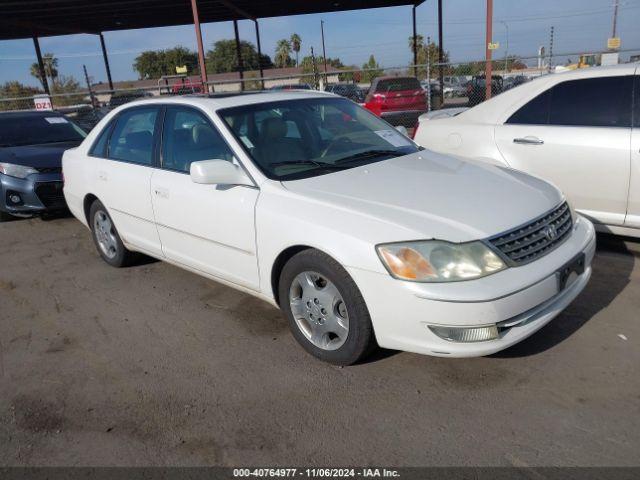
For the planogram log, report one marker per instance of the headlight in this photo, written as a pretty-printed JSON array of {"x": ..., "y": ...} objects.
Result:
[
  {"x": 439, "y": 261},
  {"x": 19, "y": 171}
]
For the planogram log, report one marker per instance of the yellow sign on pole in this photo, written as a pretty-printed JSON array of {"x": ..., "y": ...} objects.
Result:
[
  {"x": 493, "y": 46},
  {"x": 182, "y": 69},
  {"x": 613, "y": 43}
]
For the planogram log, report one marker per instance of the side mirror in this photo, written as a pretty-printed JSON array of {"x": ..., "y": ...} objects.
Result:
[
  {"x": 402, "y": 130},
  {"x": 218, "y": 172}
]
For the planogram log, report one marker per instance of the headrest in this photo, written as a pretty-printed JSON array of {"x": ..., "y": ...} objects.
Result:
[
  {"x": 139, "y": 140},
  {"x": 274, "y": 128},
  {"x": 203, "y": 136}
]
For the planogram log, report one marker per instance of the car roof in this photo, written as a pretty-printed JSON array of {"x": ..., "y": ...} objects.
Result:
[
  {"x": 31, "y": 113},
  {"x": 217, "y": 102}
]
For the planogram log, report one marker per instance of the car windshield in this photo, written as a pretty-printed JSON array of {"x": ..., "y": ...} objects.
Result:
[
  {"x": 20, "y": 130},
  {"x": 295, "y": 139}
]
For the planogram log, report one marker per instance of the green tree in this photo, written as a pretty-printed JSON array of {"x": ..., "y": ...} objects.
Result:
[
  {"x": 307, "y": 64},
  {"x": 223, "y": 57},
  {"x": 296, "y": 43},
  {"x": 283, "y": 52},
  {"x": 371, "y": 70},
  {"x": 16, "y": 89},
  {"x": 427, "y": 54},
  {"x": 50, "y": 68},
  {"x": 66, "y": 86},
  {"x": 156, "y": 63}
]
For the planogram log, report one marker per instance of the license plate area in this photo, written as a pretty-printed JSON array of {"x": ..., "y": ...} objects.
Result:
[{"x": 570, "y": 272}]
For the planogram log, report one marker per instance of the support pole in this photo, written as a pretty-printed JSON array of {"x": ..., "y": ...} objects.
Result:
[
  {"x": 489, "y": 34},
  {"x": 196, "y": 23},
  {"x": 324, "y": 53},
  {"x": 106, "y": 61},
  {"x": 239, "y": 54},
  {"x": 440, "y": 53},
  {"x": 259, "y": 53},
  {"x": 94, "y": 102},
  {"x": 43, "y": 73},
  {"x": 415, "y": 42}
]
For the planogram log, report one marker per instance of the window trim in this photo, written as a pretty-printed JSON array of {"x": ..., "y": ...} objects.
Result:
[{"x": 108, "y": 130}]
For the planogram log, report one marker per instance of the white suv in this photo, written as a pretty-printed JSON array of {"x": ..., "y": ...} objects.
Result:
[
  {"x": 312, "y": 203},
  {"x": 579, "y": 130}
]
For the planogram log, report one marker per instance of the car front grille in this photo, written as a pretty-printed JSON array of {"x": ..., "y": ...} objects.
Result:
[
  {"x": 535, "y": 239},
  {"x": 49, "y": 169},
  {"x": 50, "y": 194}
]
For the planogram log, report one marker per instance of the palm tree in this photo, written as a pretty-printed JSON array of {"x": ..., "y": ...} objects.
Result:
[
  {"x": 296, "y": 41},
  {"x": 50, "y": 68},
  {"x": 419, "y": 42},
  {"x": 283, "y": 49}
]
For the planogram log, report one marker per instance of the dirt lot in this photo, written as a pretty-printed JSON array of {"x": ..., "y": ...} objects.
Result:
[{"x": 152, "y": 365}]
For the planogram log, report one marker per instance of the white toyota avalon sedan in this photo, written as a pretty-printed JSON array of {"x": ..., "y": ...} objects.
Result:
[
  {"x": 315, "y": 205},
  {"x": 579, "y": 130}
]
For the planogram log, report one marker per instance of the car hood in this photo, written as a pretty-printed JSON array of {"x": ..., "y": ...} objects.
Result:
[
  {"x": 432, "y": 195},
  {"x": 37, "y": 156}
]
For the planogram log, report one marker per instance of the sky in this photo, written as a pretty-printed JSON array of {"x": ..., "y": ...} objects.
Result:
[{"x": 580, "y": 26}]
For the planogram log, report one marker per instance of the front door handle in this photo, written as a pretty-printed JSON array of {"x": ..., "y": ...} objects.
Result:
[
  {"x": 528, "y": 141},
  {"x": 161, "y": 192}
]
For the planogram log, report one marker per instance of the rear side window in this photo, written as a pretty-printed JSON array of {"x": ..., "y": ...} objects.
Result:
[
  {"x": 99, "y": 147},
  {"x": 593, "y": 102},
  {"x": 535, "y": 112},
  {"x": 398, "y": 84},
  {"x": 636, "y": 103},
  {"x": 132, "y": 137}
]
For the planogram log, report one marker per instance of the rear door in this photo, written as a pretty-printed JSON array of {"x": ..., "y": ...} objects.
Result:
[
  {"x": 577, "y": 136},
  {"x": 124, "y": 157},
  {"x": 633, "y": 210}
]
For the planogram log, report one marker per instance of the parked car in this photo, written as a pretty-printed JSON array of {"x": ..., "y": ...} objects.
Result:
[
  {"x": 399, "y": 100},
  {"x": 310, "y": 202},
  {"x": 31, "y": 146},
  {"x": 511, "y": 82},
  {"x": 292, "y": 86},
  {"x": 477, "y": 88},
  {"x": 125, "y": 96},
  {"x": 579, "y": 130},
  {"x": 348, "y": 90}
]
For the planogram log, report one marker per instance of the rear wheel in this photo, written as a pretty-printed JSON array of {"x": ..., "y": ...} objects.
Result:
[
  {"x": 326, "y": 312},
  {"x": 106, "y": 238}
]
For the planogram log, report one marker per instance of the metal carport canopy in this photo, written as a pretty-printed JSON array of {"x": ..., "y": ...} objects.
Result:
[{"x": 40, "y": 18}]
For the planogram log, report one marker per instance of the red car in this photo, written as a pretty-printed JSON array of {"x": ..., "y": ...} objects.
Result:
[{"x": 399, "y": 100}]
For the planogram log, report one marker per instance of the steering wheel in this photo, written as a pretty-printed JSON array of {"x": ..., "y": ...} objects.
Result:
[{"x": 334, "y": 144}]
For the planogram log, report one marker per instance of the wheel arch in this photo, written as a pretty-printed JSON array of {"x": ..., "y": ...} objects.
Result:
[{"x": 86, "y": 205}]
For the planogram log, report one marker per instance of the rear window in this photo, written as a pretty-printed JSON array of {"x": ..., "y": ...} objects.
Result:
[
  {"x": 398, "y": 84},
  {"x": 17, "y": 130}
]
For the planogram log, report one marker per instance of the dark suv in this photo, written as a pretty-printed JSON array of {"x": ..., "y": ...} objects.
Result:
[
  {"x": 477, "y": 88},
  {"x": 348, "y": 90},
  {"x": 31, "y": 147}
]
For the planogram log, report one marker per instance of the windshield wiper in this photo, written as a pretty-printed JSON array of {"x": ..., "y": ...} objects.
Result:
[
  {"x": 370, "y": 153},
  {"x": 306, "y": 162}
]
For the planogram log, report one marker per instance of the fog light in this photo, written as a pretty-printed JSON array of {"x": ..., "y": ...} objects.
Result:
[
  {"x": 15, "y": 198},
  {"x": 466, "y": 335}
]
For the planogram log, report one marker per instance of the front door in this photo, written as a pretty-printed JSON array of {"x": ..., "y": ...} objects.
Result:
[
  {"x": 209, "y": 228},
  {"x": 576, "y": 135}
]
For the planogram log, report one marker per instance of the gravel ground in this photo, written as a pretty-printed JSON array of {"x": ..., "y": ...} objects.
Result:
[{"x": 152, "y": 365}]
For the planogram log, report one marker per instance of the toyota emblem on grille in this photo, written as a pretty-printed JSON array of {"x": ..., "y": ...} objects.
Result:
[{"x": 550, "y": 232}]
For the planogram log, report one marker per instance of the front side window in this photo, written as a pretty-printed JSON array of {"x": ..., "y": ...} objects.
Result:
[
  {"x": 592, "y": 102},
  {"x": 535, "y": 112},
  {"x": 132, "y": 137},
  {"x": 188, "y": 136},
  {"x": 294, "y": 139}
]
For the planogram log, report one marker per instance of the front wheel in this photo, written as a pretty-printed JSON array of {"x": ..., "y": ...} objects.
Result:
[
  {"x": 106, "y": 238},
  {"x": 325, "y": 309}
]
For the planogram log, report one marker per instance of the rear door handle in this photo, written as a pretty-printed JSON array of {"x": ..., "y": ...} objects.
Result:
[{"x": 528, "y": 141}]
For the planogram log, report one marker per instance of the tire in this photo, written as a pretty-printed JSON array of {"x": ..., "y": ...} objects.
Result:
[
  {"x": 107, "y": 240},
  {"x": 319, "y": 298}
]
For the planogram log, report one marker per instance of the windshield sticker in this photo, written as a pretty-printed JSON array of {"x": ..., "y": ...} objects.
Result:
[
  {"x": 246, "y": 141},
  {"x": 393, "y": 137},
  {"x": 56, "y": 120}
]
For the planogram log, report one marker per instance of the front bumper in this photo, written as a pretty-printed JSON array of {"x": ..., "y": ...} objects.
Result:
[
  {"x": 38, "y": 193},
  {"x": 520, "y": 300}
]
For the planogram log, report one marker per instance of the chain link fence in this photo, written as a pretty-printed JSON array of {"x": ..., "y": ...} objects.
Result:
[{"x": 399, "y": 94}]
